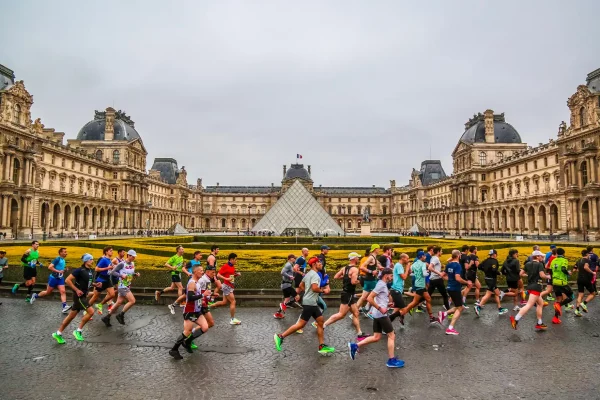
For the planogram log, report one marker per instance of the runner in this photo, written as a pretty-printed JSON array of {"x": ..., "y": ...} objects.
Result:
[
  {"x": 188, "y": 270},
  {"x": 534, "y": 270},
  {"x": 125, "y": 270},
  {"x": 56, "y": 280},
  {"x": 323, "y": 275},
  {"x": 121, "y": 254},
  {"x": 210, "y": 288},
  {"x": 29, "y": 262},
  {"x": 593, "y": 262},
  {"x": 299, "y": 267},
  {"x": 194, "y": 323},
  {"x": 586, "y": 280},
  {"x": 436, "y": 275},
  {"x": 455, "y": 280},
  {"x": 228, "y": 274},
  {"x": 311, "y": 286},
  {"x": 490, "y": 268},
  {"x": 289, "y": 293},
  {"x": 103, "y": 268},
  {"x": 511, "y": 268},
  {"x": 79, "y": 281},
  {"x": 471, "y": 275},
  {"x": 3, "y": 265},
  {"x": 378, "y": 298},
  {"x": 349, "y": 277},
  {"x": 370, "y": 268},
  {"x": 560, "y": 283},
  {"x": 550, "y": 256},
  {"x": 175, "y": 264}
]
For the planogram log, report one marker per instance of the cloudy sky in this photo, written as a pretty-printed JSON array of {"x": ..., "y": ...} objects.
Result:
[{"x": 363, "y": 90}]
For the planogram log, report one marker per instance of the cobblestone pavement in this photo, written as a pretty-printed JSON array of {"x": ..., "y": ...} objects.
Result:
[{"x": 488, "y": 360}]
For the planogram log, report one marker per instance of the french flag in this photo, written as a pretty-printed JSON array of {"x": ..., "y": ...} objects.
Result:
[{"x": 298, "y": 155}]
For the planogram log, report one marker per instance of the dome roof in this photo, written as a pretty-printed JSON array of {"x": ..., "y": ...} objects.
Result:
[
  {"x": 7, "y": 77},
  {"x": 123, "y": 127},
  {"x": 503, "y": 131},
  {"x": 297, "y": 171}
]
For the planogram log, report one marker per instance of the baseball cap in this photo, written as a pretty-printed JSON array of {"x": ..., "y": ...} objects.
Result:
[
  {"x": 386, "y": 271},
  {"x": 552, "y": 246},
  {"x": 374, "y": 247},
  {"x": 132, "y": 253},
  {"x": 2, "y": 251},
  {"x": 313, "y": 260},
  {"x": 353, "y": 255},
  {"x": 492, "y": 252},
  {"x": 537, "y": 253},
  {"x": 324, "y": 247},
  {"x": 420, "y": 253},
  {"x": 87, "y": 257}
]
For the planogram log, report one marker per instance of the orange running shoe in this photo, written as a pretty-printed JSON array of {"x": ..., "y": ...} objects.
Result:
[
  {"x": 556, "y": 321},
  {"x": 558, "y": 309}
]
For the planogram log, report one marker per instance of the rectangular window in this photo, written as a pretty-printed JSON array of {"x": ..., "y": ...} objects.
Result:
[
  {"x": 509, "y": 171},
  {"x": 494, "y": 174},
  {"x": 483, "y": 177},
  {"x": 534, "y": 164},
  {"x": 115, "y": 175},
  {"x": 526, "y": 167},
  {"x": 556, "y": 157},
  {"x": 501, "y": 173},
  {"x": 517, "y": 169},
  {"x": 545, "y": 161}
]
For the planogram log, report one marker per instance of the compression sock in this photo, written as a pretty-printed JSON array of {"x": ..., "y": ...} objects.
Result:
[
  {"x": 23, "y": 284},
  {"x": 29, "y": 290},
  {"x": 517, "y": 317},
  {"x": 585, "y": 302},
  {"x": 566, "y": 301},
  {"x": 179, "y": 342},
  {"x": 195, "y": 334},
  {"x": 578, "y": 308}
]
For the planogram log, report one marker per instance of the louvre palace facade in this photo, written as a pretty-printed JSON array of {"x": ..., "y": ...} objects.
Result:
[{"x": 98, "y": 184}]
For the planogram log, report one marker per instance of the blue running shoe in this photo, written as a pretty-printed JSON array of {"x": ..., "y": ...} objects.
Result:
[
  {"x": 352, "y": 348},
  {"x": 15, "y": 288},
  {"x": 394, "y": 363}
]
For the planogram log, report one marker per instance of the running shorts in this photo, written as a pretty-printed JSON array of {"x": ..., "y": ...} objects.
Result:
[
  {"x": 534, "y": 292},
  {"x": 227, "y": 290},
  {"x": 348, "y": 299},
  {"x": 383, "y": 324},
  {"x": 288, "y": 292},
  {"x": 492, "y": 284},
  {"x": 512, "y": 284},
  {"x": 297, "y": 279},
  {"x": 176, "y": 278},
  {"x": 369, "y": 285},
  {"x": 560, "y": 290},
  {"x": 55, "y": 282},
  {"x": 105, "y": 285},
  {"x": 204, "y": 310},
  {"x": 309, "y": 312},
  {"x": 80, "y": 303},
  {"x": 586, "y": 285},
  {"x": 420, "y": 291},
  {"x": 456, "y": 297},
  {"x": 191, "y": 316},
  {"x": 472, "y": 276},
  {"x": 123, "y": 291},
  {"x": 29, "y": 273},
  {"x": 398, "y": 298}
]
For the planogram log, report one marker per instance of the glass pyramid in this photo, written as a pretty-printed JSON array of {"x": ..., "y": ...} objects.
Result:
[{"x": 297, "y": 211}]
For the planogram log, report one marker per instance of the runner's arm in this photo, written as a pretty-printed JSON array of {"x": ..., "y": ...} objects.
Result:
[
  {"x": 406, "y": 273},
  {"x": 69, "y": 283},
  {"x": 52, "y": 269},
  {"x": 340, "y": 273},
  {"x": 115, "y": 271},
  {"x": 353, "y": 276},
  {"x": 371, "y": 301},
  {"x": 364, "y": 265}
]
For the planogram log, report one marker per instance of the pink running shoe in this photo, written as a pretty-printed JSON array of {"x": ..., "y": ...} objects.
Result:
[
  {"x": 451, "y": 332},
  {"x": 442, "y": 316}
]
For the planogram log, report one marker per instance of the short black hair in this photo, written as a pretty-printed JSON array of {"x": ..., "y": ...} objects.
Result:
[
  {"x": 590, "y": 249},
  {"x": 213, "y": 247},
  {"x": 465, "y": 247},
  {"x": 197, "y": 252},
  {"x": 436, "y": 249},
  {"x": 178, "y": 247},
  {"x": 367, "y": 252},
  {"x": 472, "y": 248},
  {"x": 512, "y": 252},
  {"x": 231, "y": 256},
  {"x": 120, "y": 250},
  {"x": 34, "y": 242},
  {"x": 291, "y": 256},
  {"x": 560, "y": 251},
  {"x": 106, "y": 249},
  {"x": 61, "y": 249},
  {"x": 584, "y": 252}
]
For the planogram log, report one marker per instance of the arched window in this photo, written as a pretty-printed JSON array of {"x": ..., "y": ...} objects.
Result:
[
  {"x": 17, "y": 114},
  {"x": 482, "y": 158},
  {"x": 581, "y": 117},
  {"x": 99, "y": 155},
  {"x": 584, "y": 174},
  {"x": 500, "y": 156},
  {"x": 116, "y": 156}
]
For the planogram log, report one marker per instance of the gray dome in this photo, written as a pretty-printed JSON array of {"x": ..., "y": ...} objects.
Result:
[
  {"x": 297, "y": 171},
  {"x": 7, "y": 77},
  {"x": 503, "y": 131},
  {"x": 123, "y": 127}
]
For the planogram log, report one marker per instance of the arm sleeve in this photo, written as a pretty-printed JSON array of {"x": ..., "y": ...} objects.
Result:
[
  {"x": 565, "y": 270},
  {"x": 115, "y": 271},
  {"x": 193, "y": 297}
]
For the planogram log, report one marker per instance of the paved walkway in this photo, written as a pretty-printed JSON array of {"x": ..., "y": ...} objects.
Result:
[{"x": 488, "y": 360}]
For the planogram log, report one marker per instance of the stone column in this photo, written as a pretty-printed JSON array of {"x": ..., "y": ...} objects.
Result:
[
  {"x": 11, "y": 166},
  {"x": 593, "y": 212},
  {"x": 4, "y": 210}
]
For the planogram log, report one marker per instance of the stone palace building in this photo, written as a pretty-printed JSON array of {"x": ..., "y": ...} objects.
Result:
[{"x": 97, "y": 183}]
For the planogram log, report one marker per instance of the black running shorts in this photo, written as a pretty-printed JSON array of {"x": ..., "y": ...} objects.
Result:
[
  {"x": 176, "y": 278},
  {"x": 560, "y": 290},
  {"x": 80, "y": 303},
  {"x": 456, "y": 297},
  {"x": 191, "y": 316},
  {"x": 512, "y": 284},
  {"x": 297, "y": 279},
  {"x": 105, "y": 285},
  {"x": 288, "y": 292},
  {"x": 492, "y": 284},
  {"x": 472, "y": 276},
  {"x": 29, "y": 273},
  {"x": 309, "y": 312},
  {"x": 383, "y": 324},
  {"x": 348, "y": 299},
  {"x": 398, "y": 298},
  {"x": 586, "y": 285}
]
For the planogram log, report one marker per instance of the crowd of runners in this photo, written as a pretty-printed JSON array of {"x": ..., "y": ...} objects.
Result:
[{"x": 103, "y": 286}]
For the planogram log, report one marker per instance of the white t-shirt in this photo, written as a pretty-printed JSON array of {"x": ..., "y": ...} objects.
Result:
[
  {"x": 437, "y": 266},
  {"x": 381, "y": 299}
]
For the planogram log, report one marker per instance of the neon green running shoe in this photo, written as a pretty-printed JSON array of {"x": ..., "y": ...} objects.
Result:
[
  {"x": 99, "y": 308},
  {"x": 78, "y": 335},
  {"x": 550, "y": 298},
  {"x": 58, "y": 338},
  {"x": 193, "y": 346},
  {"x": 278, "y": 341},
  {"x": 325, "y": 350},
  {"x": 584, "y": 307}
]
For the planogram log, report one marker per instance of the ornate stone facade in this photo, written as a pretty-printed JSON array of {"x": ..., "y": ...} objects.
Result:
[{"x": 98, "y": 184}]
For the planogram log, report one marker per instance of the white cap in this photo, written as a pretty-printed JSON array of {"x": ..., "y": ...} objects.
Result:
[
  {"x": 537, "y": 253},
  {"x": 132, "y": 253}
]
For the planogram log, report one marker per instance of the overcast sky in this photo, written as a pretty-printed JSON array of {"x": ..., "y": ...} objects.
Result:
[{"x": 235, "y": 89}]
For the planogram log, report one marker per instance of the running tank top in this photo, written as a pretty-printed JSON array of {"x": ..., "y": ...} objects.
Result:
[
  {"x": 193, "y": 306},
  {"x": 348, "y": 287},
  {"x": 372, "y": 267}
]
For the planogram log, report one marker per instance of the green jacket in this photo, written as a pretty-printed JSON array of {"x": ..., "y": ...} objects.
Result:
[{"x": 560, "y": 276}]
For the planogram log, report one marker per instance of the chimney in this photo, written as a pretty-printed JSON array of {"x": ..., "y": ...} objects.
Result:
[
  {"x": 309, "y": 170},
  {"x": 284, "y": 170},
  {"x": 109, "y": 130},
  {"x": 488, "y": 118}
]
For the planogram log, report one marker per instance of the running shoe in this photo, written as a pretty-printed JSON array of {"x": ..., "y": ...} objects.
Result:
[
  {"x": 27, "y": 299},
  {"x": 352, "y": 349},
  {"x": 171, "y": 308},
  {"x": 362, "y": 337},
  {"x": 513, "y": 322},
  {"x": 477, "y": 302},
  {"x": 578, "y": 313},
  {"x": 401, "y": 318},
  {"x": 362, "y": 310},
  {"x": 449, "y": 316},
  {"x": 516, "y": 308},
  {"x": 278, "y": 315},
  {"x": 187, "y": 347},
  {"x": 278, "y": 340},
  {"x": 110, "y": 306},
  {"x": 350, "y": 316},
  {"x": 121, "y": 318},
  {"x": 211, "y": 303},
  {"x": 434, "y": 320},
  {"x": 546, "y": 304},
  {"x": 235, "y": 321},
  {"x": 66, "y": 309},
  {"x": 175, "y": 354},
  {"x": 569, "y": 307},
  {"x": 157, "y": 295},
  {"x": 193, "y": 346},
  {"x": 477, "y": 309},
  {"x": 584, "y": 307},
  {"x": 325, "y": 350},
  {"x": 283, "y": 307},
  {"x": 15, "y": 288},
  {"x": 550, "y": 298},
  {"x": 556, "y": 321},
  {"x": 502, "y": 311},
  {"x": 106, "y": 320},
  {"x": 441, "y": 316},
  {"x": 33, "y": 298},
  {"x": 419, "y": 309},
  {"x": 78, "y": 335},
  {"x": 558, "y": 309},
  {"x": 502, "y": 294},
  {"x": 314, "y": 325},
  {"x": 300, "y": 331},
  {"x": 370, "y": 316},
  {"x": 452, "y": 331},
  {"x": 411, "y": 311},
  {"x": 394, "y": 363},
  {"x": 99, "y": 308},
  {"x": 541, "y": 327},
  {"x": 58, "y": 338},
  {"x": 465, "y": 306}
]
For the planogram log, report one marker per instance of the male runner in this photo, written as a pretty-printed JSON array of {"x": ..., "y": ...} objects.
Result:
[
  {"x": 534, "y": 270},
  {"x": 436, "y": 275},
  {"x": 289, "y": 293},
  {"x": 371, "y": 269},
  {"x": 560, "y": 283},
  {"x": 3, "y": 264},
  {"x": 29, "y": 262},
  {"x": 125, "y": 271},
  {"x": 121, "y": 255},
  {"x": 378, "y": 298},
  {"x": 194, "y": 323},
  {"x": 550, "y": 256},
  {"x": 311, "y": 286},
  {"x": 511, "y": 268},
  {"x": 188, "y": 270},
  {"x": 175, "y": 264},
  {"x": 323, "y": 274},
  {"x": 299, "y": 267},
  {"x": 227, "y": 274},
  {"x": 349, "y": 276},
  {"x": 79, "y": 281},
  {"x": 471, "y": 275},
  {"x": 593, "y": 261},
  {"x": 419, "y": 269},
  {"x": 455, "y": 282},
  {"x": 401, "y": 272},
  {"x": 103, "y": 268},
  {"x": 490, "y": 268},
  {"x": 56, "y": 280},
  {"x": 585, "y": 277}
]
